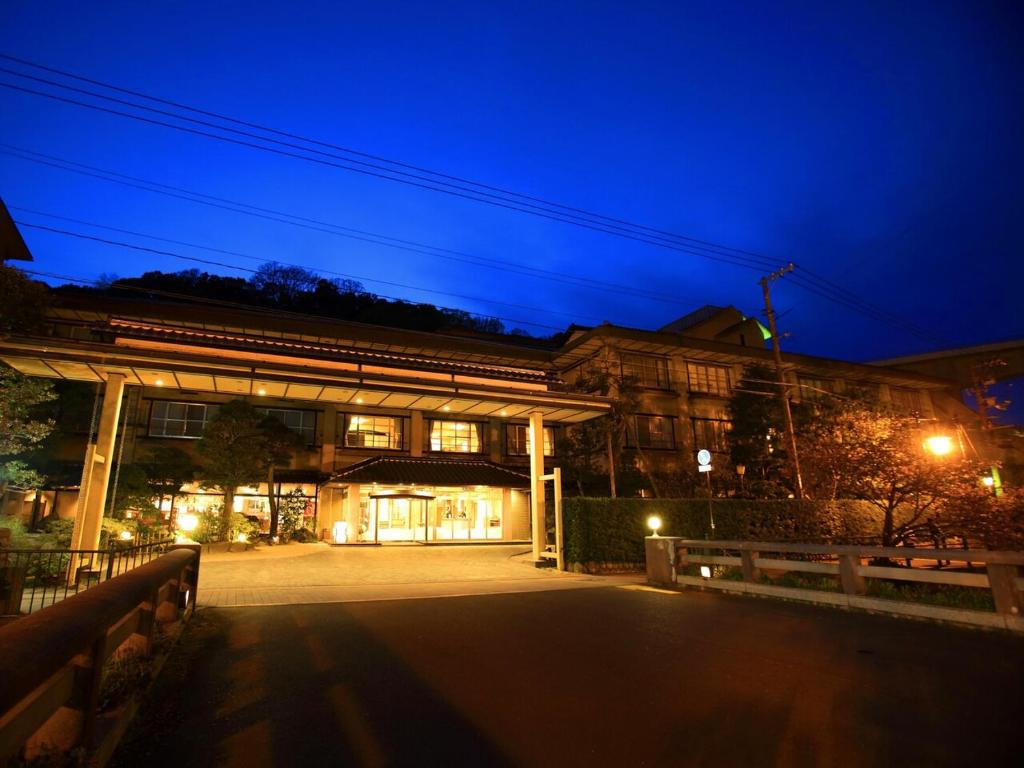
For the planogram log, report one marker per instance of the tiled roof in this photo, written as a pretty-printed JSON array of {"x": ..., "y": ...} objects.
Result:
[{"x": 401, "y": 470}]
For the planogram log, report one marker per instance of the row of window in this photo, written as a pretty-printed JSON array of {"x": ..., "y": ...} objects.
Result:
[
  {"x": 188, "y": 420},
  {"x": 650, "y": 371},
  {"x": 658, "y": 432}
]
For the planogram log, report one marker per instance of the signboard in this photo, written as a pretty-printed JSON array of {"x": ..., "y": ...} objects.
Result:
[{"x": 703, "y": 456}]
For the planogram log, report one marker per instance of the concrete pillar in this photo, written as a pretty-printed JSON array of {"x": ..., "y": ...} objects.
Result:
[
  {"x": 416, "y": 437},
  {"x": 661, "y": 556},
  {"x": 328, "y": 438},
  {"x": 536, "y": 484},
  {"x": 96, "y": 474}
]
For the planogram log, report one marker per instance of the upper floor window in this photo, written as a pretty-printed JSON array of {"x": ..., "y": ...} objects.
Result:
[
  {"x": 300, "y": 422},
  {"x": 517, "y": 440},
  {"x": 174, "y": 419},
  {"x": 907, "y": 399},
  {"x": 456, "y": 436},
  {"x": 651, "y": 432},
  {"x": 374, "y": 431},
  {"x": 710, "y": 379},
  {"x": 814, "y": 388},
  {"x": 711, "y": 434},
  {"x": 648, "y": 371}
]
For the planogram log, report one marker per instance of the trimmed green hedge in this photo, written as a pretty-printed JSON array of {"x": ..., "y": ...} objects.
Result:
[{"x": 613, "y": 530}]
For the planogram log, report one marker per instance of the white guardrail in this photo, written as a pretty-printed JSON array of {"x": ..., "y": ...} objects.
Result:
[{"x": 853, "y": 566}]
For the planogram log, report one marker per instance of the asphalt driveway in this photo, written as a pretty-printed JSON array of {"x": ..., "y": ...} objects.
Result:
[{"x": 591, "y": 677}]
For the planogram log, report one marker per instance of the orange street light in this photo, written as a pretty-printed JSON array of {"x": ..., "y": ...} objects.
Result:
[{"x": 940, "y": 445}]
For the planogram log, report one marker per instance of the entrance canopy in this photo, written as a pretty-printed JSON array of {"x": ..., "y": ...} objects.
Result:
[
  {"x": 245, "y": 353},
  {"x": 396, "y": 470}
]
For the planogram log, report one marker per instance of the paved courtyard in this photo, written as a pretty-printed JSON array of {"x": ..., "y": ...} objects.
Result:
[{"x": 318, "y": 573}]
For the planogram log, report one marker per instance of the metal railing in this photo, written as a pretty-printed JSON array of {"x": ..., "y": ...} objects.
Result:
[
  {"x": 846, "y": 571},
  {"x": 31, "y": 579},
  {"x": 53, "y": 662}
]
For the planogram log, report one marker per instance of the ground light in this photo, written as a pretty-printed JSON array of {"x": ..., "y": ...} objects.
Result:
[
  {"x": 705, "y": 571},
  {"x": 186, "y": 524},
  {"x": 654, "y": 523},
  {"x": 241, "y": 538},
  {"x": 125, "y": 535},
  {"x": 940, "y": 445},
  {"x": 988, "y": 481}
]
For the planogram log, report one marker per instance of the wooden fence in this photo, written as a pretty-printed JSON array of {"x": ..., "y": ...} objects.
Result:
[
  {"x": 51, "y": 662},
  {"x": 852, "y": 566}
]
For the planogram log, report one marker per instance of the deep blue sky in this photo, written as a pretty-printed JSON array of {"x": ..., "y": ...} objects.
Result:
[{"x": 875, "y": 143}]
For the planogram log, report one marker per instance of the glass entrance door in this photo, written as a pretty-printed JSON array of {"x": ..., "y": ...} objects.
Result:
[{"x": 400, "y": 518}]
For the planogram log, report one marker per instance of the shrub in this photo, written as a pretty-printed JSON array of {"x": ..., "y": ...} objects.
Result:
[
  {"x": 613, "y": 530},
  {"x": 291, "y": 511}
]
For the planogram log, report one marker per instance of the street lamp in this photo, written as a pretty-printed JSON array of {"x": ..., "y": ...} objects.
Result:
[
  {"x": 939, "y": 445},
  {"x": 654, "y": 523},
  {"x": 741, "y": 470}
]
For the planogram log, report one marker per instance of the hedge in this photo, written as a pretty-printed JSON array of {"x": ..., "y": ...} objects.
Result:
[{"x": 611, "y": 531}]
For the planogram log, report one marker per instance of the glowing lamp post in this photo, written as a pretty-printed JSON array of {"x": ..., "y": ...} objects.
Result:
[
  {"x": 654, "y": 523},
  {"x": 939, "y": 445},
  {"x": 186, "y": 524}
]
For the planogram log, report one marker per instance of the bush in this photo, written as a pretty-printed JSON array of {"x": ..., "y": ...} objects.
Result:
[{"x": 613, "y": 530}]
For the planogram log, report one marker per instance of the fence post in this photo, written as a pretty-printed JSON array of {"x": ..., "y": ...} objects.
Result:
[
  {"x": 110, "y": 559},
  {"x": 750, "y": 571},
  {"x": 1002, "y": 581},
  {"x": 853, "y": 583},
  {"x": 661, "y": 560}
]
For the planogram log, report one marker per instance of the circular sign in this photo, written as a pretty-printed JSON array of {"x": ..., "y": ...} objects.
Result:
[{"x": 703, "y": 456}]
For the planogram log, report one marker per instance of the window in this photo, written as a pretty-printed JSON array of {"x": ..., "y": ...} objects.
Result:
[
  {"x": 651, "y": 432},
  {"x": 184, "y": 420},
  {"x": 456, "y": 436},
  {"x": 374, "y": 432},
  {"x": 517, "y": 440},
  {"x": 300, "y": 422},
  {"x": 814, "y": 389},
  {"x": 907, "y": 399},
  {"x": 712, "y": 434},
  {"x": 710, "y": 379},
  {"x": 647, "y": 370}
]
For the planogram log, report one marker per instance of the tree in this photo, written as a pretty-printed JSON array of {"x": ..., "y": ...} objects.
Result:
[
  {"x": 167, "y": 468},
  {"x": 23, "y": 302},
  {"x": 280, "y": 444},
  {"x": 282, "y": 283},
  {"x": 233, "y": 452},
  {"x": 758, "y": 427},
  {"x": 242, "y": 446},
  {"x": 20, "y": 428},
  {"x": 863, "y": 449}
]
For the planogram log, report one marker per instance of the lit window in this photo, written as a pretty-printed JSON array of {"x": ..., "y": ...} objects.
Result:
[
  {"x": 709, "y": 379},
  {"x": 711, "y": 434},
  {"x": 517, "y": 440},
  {"x": 300, "y": 422},
  {"x": 183, "y": 420},
  {"x": 455, "y": 436},
  {"x": 374, "y": 432},
  {"x": 648, "y": 371},
  {"x": 814, "y": 389},
  {"x": 651, "y": 432}
]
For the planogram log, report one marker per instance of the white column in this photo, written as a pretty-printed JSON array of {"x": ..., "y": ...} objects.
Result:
[
  {"x": 92, "y": 498},
  {"x": 536, "y": 484}
]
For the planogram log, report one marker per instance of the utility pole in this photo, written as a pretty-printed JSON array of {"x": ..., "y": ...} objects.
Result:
[{"x": 777, "y": 350}]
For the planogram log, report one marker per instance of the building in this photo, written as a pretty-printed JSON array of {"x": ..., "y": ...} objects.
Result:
[{"x": 409, "y": 436}]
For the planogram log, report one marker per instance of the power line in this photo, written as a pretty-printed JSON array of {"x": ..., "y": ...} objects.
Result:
[
  {"x": 320, "y": 270},
  {"x": 809, "y": 280},
  {"x": 316, "y": 225},
  {"x": 210, "y": 262},
  {"x": 570, "y": 210}
]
